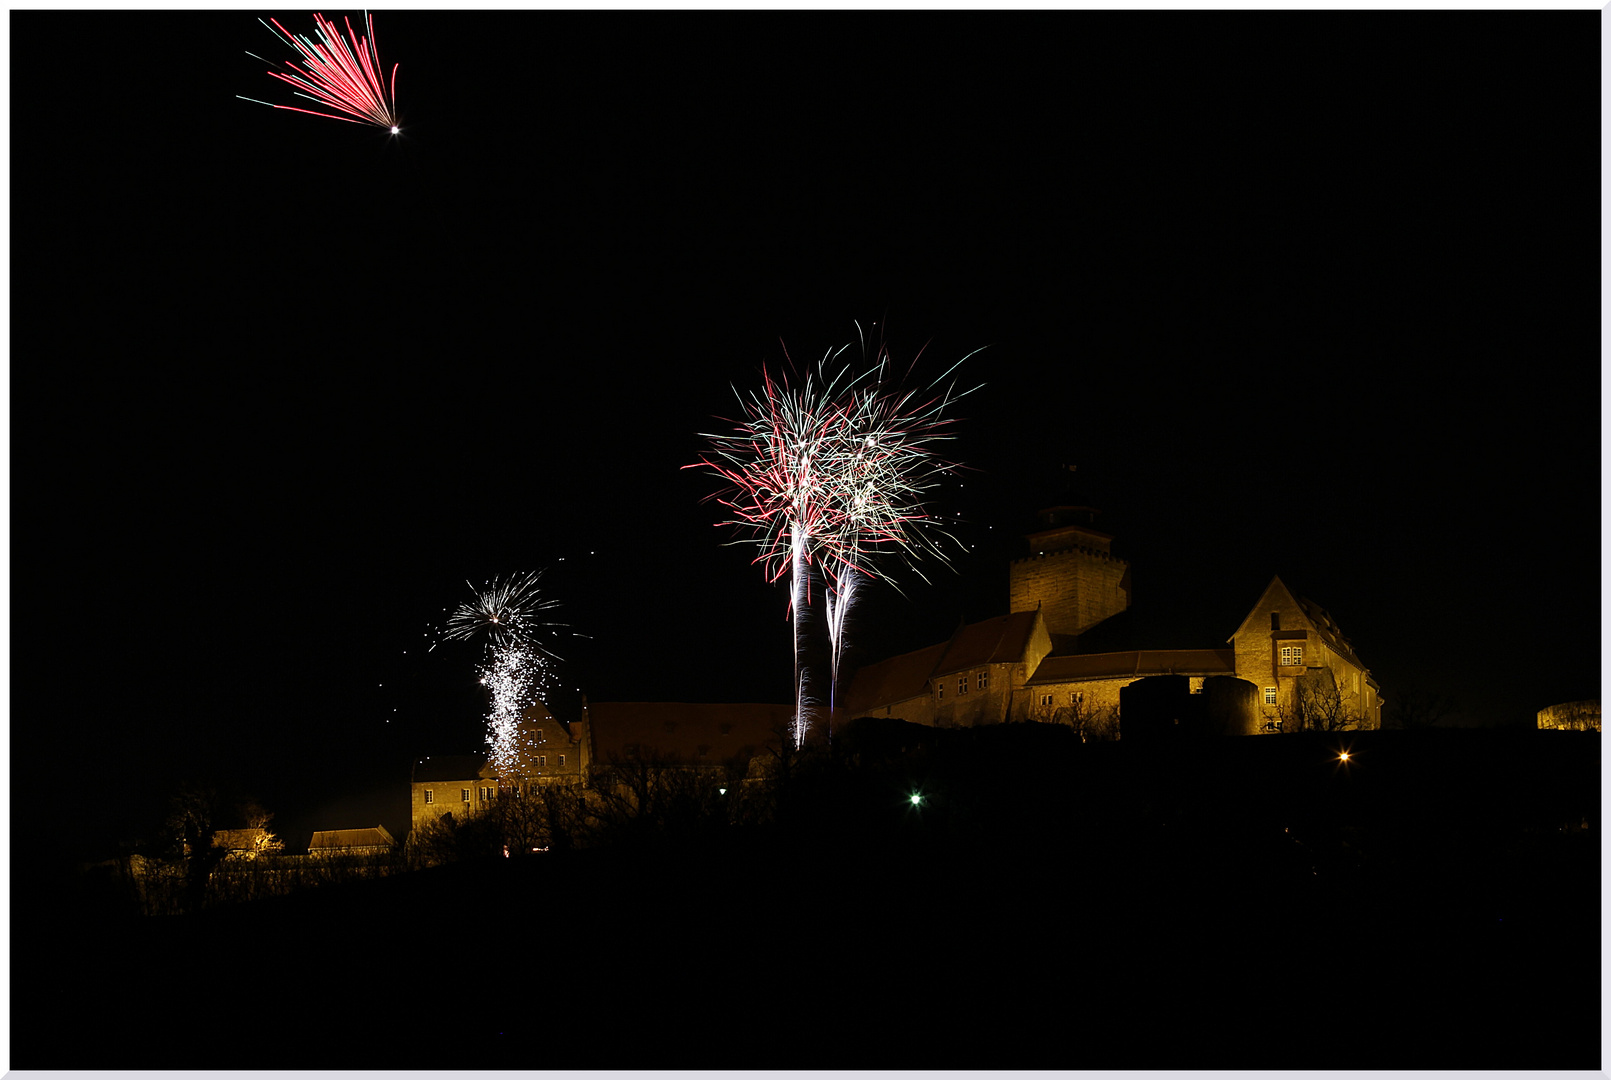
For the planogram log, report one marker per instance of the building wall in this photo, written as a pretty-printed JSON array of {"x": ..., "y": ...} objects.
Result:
[
  {"x": 1074, "y": 588},
  {"x": 965, "y": 703},
  {"x": 1258, "y": 647}
]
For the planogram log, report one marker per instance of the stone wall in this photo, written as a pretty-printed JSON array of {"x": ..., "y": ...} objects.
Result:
[{"x": 1075, "y": 589}]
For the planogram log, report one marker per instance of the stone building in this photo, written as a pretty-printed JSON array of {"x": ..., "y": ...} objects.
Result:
[
  {"x": 715, "y": 736},
  {"x": 550, "y": 751},
  {"x": 976, "y": 677},
  {"x": 1039, "y": 664}
]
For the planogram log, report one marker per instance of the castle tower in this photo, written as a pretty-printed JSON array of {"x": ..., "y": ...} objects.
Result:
[{"x": 1071, "y": 575}]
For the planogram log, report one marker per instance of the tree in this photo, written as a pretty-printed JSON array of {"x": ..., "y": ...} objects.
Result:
[
  {"x": 192, "y": 814},
  {"x": 1419, "y": 708},
  {"x": 1091, "y": 722},
  {"x": 1318, "y": 703}
]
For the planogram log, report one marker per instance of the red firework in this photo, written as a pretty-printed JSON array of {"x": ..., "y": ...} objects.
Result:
[{"x": 344, "y": 75}]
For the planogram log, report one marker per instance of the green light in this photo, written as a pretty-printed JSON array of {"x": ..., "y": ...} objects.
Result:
[{"x": 916, "y": 799}]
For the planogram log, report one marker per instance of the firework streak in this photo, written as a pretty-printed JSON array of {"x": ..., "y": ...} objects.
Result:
[
  {"x": 337, "y": 74},
  {"x": 833, "y": 474}
]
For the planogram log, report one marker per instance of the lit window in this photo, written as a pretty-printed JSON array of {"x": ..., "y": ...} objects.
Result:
[
  {"x": 464, "y": 794},
  {"x": 1269, "y": 695},
  {"x": 1291, "y": 655},
  {"x": 984, "y": 679},
  {"x": 962, "y": 684},
  {"x": 427, "y": 794}
]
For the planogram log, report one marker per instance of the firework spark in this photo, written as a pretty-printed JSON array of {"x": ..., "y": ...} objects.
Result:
[
  {"x": 516, "y": 676},
  {"x": 343, "y": 75},
  {"x": 508, "y": 616}
]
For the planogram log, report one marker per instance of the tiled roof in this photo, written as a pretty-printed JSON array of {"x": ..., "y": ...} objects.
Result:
[
  {"x": 450, "y": 767},
  {"x": 695, "y": 733},
  {"x": 1134, "y": 664},
  {"x": 1002, "y": 640},
  {"x": 899, "y": 678},
  {"x": 330, "y": 839},
  {"x": 1328, "y": 630}
]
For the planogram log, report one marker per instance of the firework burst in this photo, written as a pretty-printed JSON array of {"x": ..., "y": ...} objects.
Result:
[
  {"x": 342, "y": 75},
  {"x": 833, "y": 473},
  {"x": 505, "y": 611}
]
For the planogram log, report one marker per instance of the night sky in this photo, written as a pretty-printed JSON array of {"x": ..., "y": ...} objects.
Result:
[{"x": 1300, "y": 294}]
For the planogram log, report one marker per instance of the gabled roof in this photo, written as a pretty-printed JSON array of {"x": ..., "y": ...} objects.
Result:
[
  {"x": 900, "y": 678},
  {"x": 1002, "y": 640},
  {"x": 1277, "y": 588},
  {"x": 1134, "y": 664},
  {"x": 683, "y": 729},
  {"x": 334, "y": 839},
  {"x": 1316, "y": 618},
  {"x": 1328, "y": 630},
  {"x": 452, "y": 767}
]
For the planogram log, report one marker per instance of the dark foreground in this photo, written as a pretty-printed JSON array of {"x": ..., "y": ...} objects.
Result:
[{"x": 1239, "y": 904}]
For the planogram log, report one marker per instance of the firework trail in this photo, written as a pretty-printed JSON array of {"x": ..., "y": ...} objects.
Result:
[
  {"x": 886, "y": 467},
  {"x": 831, "y": 474},
  {"x": 508, "y": 616},
  {"x": 343, "y": 75}
]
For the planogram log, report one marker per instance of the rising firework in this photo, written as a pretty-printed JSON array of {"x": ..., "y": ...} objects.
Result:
[{"x": 343, "y": 75}]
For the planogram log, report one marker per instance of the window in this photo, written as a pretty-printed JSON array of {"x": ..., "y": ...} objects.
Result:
[
  {"x": 1046, "y": 699},
  {"x": 984, "y": 679},
  {"x": 464, "y": 794},
  {"x": 1269, "y": 695},
  {"x": 1272, "y": 725},
  {"x": 1291, "y": 655},
  {"x": 939, "y": 691},
  {"x": 562, "y": 761},
  {"x": 427, "y": 795},
  {"x": 539, "y": 734},
  {"x": 1077, "y": 697},
  {"x": 962, "y": 684},
  {"x": 542, "y": 760},
  {"x": 1275, "y": 620}
]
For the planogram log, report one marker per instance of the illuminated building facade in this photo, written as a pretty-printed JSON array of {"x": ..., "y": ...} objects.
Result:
[{"x": 1029, "y": 665}]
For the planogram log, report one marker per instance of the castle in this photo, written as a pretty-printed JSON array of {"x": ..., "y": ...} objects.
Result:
[
  {"x": 1029, "y": 665},
  {"x": 1286, "y": 655}
]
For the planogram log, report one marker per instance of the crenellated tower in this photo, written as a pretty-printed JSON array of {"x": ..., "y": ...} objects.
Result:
[{"x": 1070, "y": 574}]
